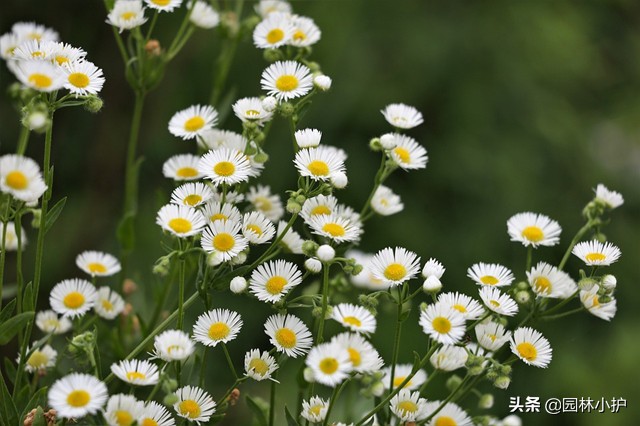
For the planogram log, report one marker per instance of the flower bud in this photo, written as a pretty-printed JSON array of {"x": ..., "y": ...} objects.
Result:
[
  {"x": 339, "y": 180},
  {"x": 300, "y": 199},
  {"x": 170, "y": 399},
  {"x": 512, "y": 420},
  {"x": 375, "y": 145},
  {"x": 239, "y": 259},
  {"x": 214, "y": 258},
  {"x": 502, "y": 382},
  {"x": 600, "y": 237},
  {"x": 272, "y": 55},
  {"x": 269, "y": 104},
  {"x": 153, "y": 48},
  {"x": 453, "y": 382},
  {"x": 313, "y": 66},
  {"x": 37, "y": 121},
  {"x": 587, "y": 284},
  {"x": 523, "y": 297},
  {"x": 609, "y": 282},
  {"x": 325, "y": 253},
  {"x": 309, "y": 248},
  {"x": 388, "y": 141},
  {"x": 293, "y": 207},
  {"x": 357, "y": 269},
  {"x": 377, "y": 389},
  {"x": 505, "y": 369},
  {"x": 322, "y": 82},
  {"x": 313, "y": 265},
  {"x": 93, "y": 104},
  {"x": 308, "y": 375},
  {"x": 261, "y": 157},
  {"x": 432, "y": 285},
  {"x": 37, "y": 215},
  {"x": 522, "y": 285},
  {"x": 486, "y": 401},
  {"x": 238, "y": 285},
  {"x": 287, "y": 109}
]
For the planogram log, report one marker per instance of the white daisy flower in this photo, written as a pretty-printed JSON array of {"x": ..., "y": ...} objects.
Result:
[
  {"x": 492, "y": 335},
  {"x": 33, "y": 31},
  {"x": 108, "y": 304},
  {"x": 318, "y": 205},
  {"x": 308, "y": 138},
  {"x": 181, "y": 221},
  {"x": 123, "y": 410},
  {"x": 9, "y": 42},
  {"x": 266, "y": 203},
  {"x": 182, "y": 167},
  {"x": 259, "y": 365},
  {"x": 498, "y": 302},
  {"x": 366, "y": 279},
  {"x": 335, "y": 228},
  {"x": 20, "y": 176},
  {"x": 355, "y": 318},
  {"x": 292, "y": 242},
  {"x": 136, "y": 372},
  {"x": 595, "y": 253},
  {"x": 163, "y": 5},
  {"x": 40, "y": 359},
  {"x": 251, "y": 110},
  {"x": 385, "y": 202},
  {"x": 64, "y": 53},
  {"x": 193, "y": 121},
  {"x": 288, "y": 334},
  {"x": 98, "y": 264},
  {"x": 469, "y": 308},
  {"x": 402, "y": 116},
  {"x": 173, "y": 345},
  {"x": 257, "y": 228},
  {"x": 287, "y": 80},
  {"x": 48, "y": 322},
  {"x": 73, "y": 298},
  {"x": 318, "y": 163},
  {"x": 363, "y": 356},
  {"x": 217, "y": 326},
  {"x": 224, "y": 238},
  {"x": 213, "y": 139},
  {"x": 315, "y": 410},
  {"x": 271, "y": 281},
  {"x": 77, "y": 395},
  {"x": 408, "y": 154},
  {"x": 305, "y": 33},
  {"x": 531, "y": 347},
  {"x": 83, "y": 78},
  {"x": 330, "y": 364},
  {"x": 155, "y": 414},
  {"x": 214, "y": 211},
  {"x": 611, "y": 199},
  {"x": 273, "y": 31},
  {"x": 194, "y": 404},
  {"x": 126, "y": 15},
  {"x": 192, "y": 194},
  {"x": 395, "y": 266},
  {"x": 433, "y": 268},
  {"x": 11, "y": 237},
  {"x": 449, "y": 358},
  {"x": 490, "y": 274},
  {"x": 548, "y": 281},
  {"x": 401, "y": 373},
  {"x": 204, "y": 16},
  {"x": 532, "y": 229},
  {"x": 591, "y": 301},
  {"x": 34, "y": 50},
  {"x": 443, "y": 323},
  {"x": 226, "y": 166},
  {"x": 266, "y": 7},
  {"x": 450, "y": 414},
  {"x": 408, "y": 406}
]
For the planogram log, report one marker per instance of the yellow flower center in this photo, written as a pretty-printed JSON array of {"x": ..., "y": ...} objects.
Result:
[
  {"x": 355, "y": 357},
  {"x": 352, "y": 321},
  {"x": 148, "y": 421},
  {"x": 223, "y": 242},
  {"x": 73, "y": 300},
  {"x": 595, "y": 257},
  {"x": 329, "y": 365},
  {"x": 40, "y": 81},
  {"x": 334, "y": 229},
  {"x": 494, "y": 303},
  {"x": 38, "y": 359},
  {"x": 320, "y": 210},
  {"x": 408, "y": 406},
  {"x": 493, "y": 337},
  {"x": 61, "y": 59},
  {"x": 161, "y": 2},
  {"x": 135, "y": 375},
  {"x": 299, "y": 35},
  {"x": 395, "y": 272},
  {"x": 275, "y": 284},
  {"x": 316, "y": 409},
  {"x": 489, "y": 280},
  {"x": 127, "y": 15},
  {"x": 194, "y": 124},
  {"x": 595, "y": 302},
  {"x": 255, "y": 229},
  {"x": 172, "y": 348},
  {"x": 218, "y": 331},
  {"x": 107, "y": 305},
  {"x": 78, "y": 398},
  {"x": 318, "y": 168},
  {"x": 287, "y": 83},
  {"x": 460, "y": 308},
  {"x": 16, "y": 180},
  {"x": 186, "y": 172},
  {"x": 192, "y": 200},
  {"x": 35, "y": 36},
  {"x": 96, "y": 267},
  {"x": 527, "y": 351},
  {"x": 533, "y": 233},
  {"x": 402, "y": 154},
  {"x": 224, "y": 168},
  {"x": 79, "y": 79},
  {"x": 180, "y": 225},
  {"x": 37, "y": 54},
  {"x": 252, "y": 113},
  {"x": 441, "y": 324},
  {"x": 263, "y": 203},
  {"x": 397, "y": 381},
  {"x": 445, "y": 421},
  {"x": 275, "y": 35},
  {"x": 190, "y": 408},
  {"x": 286, "y": 338},
  {"x": 259, "y": 366},
  {"x": 218, "y": 216},
  {"x": 123, "y": 418},
  {"x": 542, "y": 285}
]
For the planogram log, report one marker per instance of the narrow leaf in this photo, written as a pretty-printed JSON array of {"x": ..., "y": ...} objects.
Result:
[
  {"x": 261, "y": 416},
  {"x": 7, "y": 311},
  {"x": 10, "y": 328},
  {"x": 291, "y": 421},
  {"x": 52, "y": 215}
]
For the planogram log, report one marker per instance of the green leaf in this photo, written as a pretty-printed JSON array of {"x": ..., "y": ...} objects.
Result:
[
  {"x": 38, "y": 400},
  {"x": 27, "y": 301},
  {"x": 10, "y": 369},
  {"x": 126, "y": 232},
  {"x": 52, "y": 215},
  {"x": 10, "y": 328},
  {"x": 22, "y": 398},
  {"x": 38, "y": 419},
  {"x": 259, "y": 413},
  {"x": 8, "y": 411},
  {"x": 291, "y": 421},
  {"x": 7, "y": 311}
]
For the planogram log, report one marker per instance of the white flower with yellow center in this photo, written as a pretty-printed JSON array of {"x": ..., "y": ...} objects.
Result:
[
  {"x": 182, "y": 167},
  {"x": 34, "y": 50},
  {"x": 407, "y": 153},
  {"x": 126, "y": 15},
  {"x": 181, "y": 221},
  {"x": 251, "y": 110},
  {"x": 33, "y": 31},
  {"x": 595, "y": 253},
  {"x": 163, "y": 5},
  {"x": 237, "y": 143},
  {"x": 259, "y": 365},
  {"x": 305, "y": 32},
  {"x": 173, "y": 345},
  {"x": 335, "y": 228},
  {"x": 193, "y": 121},
  {"x": 363, "y": 356},
  {"x": 490, "y": 274},
  {"x": 257, "y": 228},
  {"x": 83, "y": 78},
  {"x": 355, "y": 318},
  {"x": 469, "y": 308},
  {"x": 366, "y": 279},
  {"x": 318, "y": 205},
  {"x": 287, "y": 80},
  {"x": 20, "y": 176},
  {"x": 77, "y": 395},
  {"x": 225, "y": 166},
  {"x": 318, "y": 163},
  {"x": 123, "y": 410},
  {"x": 155, "y": 414},
  {"x": 402, "y": 116},
  {"x": 223, "y": 238},
  {"x": 450, "y": 415},
  {"x": 274, "y": 31},
  {"x": 263, "y": 201},
  {"x": 533, "y": 229},
  {"x": 433, "y": 268},
  {"x": 109, "y": 304},
  {"x": 11, "y": 237},
  {"x": 9, "y": 42},
  {"x": 408, "y": 406},
  {"x": 192, "y": 194},
  {"x": 204, "y": 16},
  {"x": 98, "y": 264},
  {"x": 288, "y": 334},
  {"x": 531, "y": 347},
  {"x": 385, "y": 202},
  {"x": 449, "y": 358},
  {"x": 271, "y": 281},
  {"x": 492, "y": 335},
  {"x": 308, "y": 138},
  {"x": 194, "y": 404},
  {"x": 498, "y": 302},
  {"x": 217, "y": 326},
  {"x": 395, "y": 266},
  {"x": 443, "y": 323},
  {"x": 611, "y": 199},
  {"x": 401, "y": 373},
  {"x": 330, "y": 363},
  {"x": 266, "y": 7},
  {"x": 315, "y": 410},
  {"x": 215, "y": 211},
  {"x": 548, "y": 281},
  {"x": 591, "y": 301},
  {"x": 292, "y": 241},
  {"x": 73, "y": 298},
  {"x": 65, "y": 54},
  {"x": 218, "y": 138},
  {"x": 39, "y": 360},
  {"x": 136, "y": 372},
  {"x": 48, "y": 322}
]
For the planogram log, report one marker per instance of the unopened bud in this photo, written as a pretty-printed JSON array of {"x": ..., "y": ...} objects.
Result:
[
  {"x": 432, "y": 285},
  {"x": 388, "y": 141},
  {"x": 322, "y": 82},
  {"x": 609, "y": 282},
  {"x": 357, "y": 269},
  {"x": 313, "y": 265},
  {"x": 239, "y": 259},
  {"x": 170, "y": 399},
  {"x": 502, "y": 382},
  {"x": 270, "y": 103},
  {"x": 272, "y": 55},
  {"x": 339, "y": 180},
  {"x": 453, "y": 382},
  {"x": 238, "y": 285},
  {"x": 234, "y": 396},
  {"x": 377, "y": 389},
  {"x": 587, "y": 284},
  {"x": 309, "y": 248},
  {"x": 293, "y": 207},
  {"x": 300, "y": 199},
  {"x": 261, "y": 157},
  {"x": 37, "y": 216},
  {"x": 308, "y": 375},
  {"x": 129, "y": 287},
  {"x": 214, "y": 258},
  {"x": 325, "y": 253},
  {"x": 522, "y": 285},
  {"x": 486, "y": 401},
  {"x": 286, "y": 109},
  {"x": 93, "y": 104},
  {"x": 523, "y": 297},
  {"x": 512, "y": 420},
  {"x": 153, "y": 48},
  {"x": 375, "y": 145}
]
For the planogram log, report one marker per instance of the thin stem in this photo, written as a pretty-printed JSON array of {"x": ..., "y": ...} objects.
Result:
[
  {"x": 121, "y": 48},
  {"x": 181, "y": 31},
  {"x": 151, "y": 26},
  {"x": 23, "y": 140},
  {"x": 561, "y": 303},
  {"x": 376, "y": 183},
  {"x": 334, "y": 397},
  {"x": 448, "y": 398},
  {"x": 3, "y": 252},
  {"x": 272, "y": 401},
  {"x": 529, "y": 257},
  {"x": 231, "y": 367},
  {"x": 325, "y": 300},
  {"x": 563, "y": 314},
  {"x": 396, "y": 339},
  {"x": 423, "y": 387},
  {"x": 202, "y": 367},
  {"x": 575, "y": 240},
  {"x": 19, "y": 275},
  {"x": 181, "y": 281},
  {"x": 233, "y": 386}
]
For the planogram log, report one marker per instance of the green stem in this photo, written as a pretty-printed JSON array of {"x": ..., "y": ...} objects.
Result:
[
  {"x": 151, "y": 26},
  {"x": 380, "y": 176},
  {"x": 396, "y": 339},
  {"x": 181, "y": 30},
  {"x": 272, "y": 401},
  {"x": 231, "y": 367},
  {"x": 233, "y": 386},
  {"x": 448, "y": 398},
  {"x": 223, "y": 64},
  {"x": 529, "y": 257},
  {"x": 202, "y": 367},
  {"x": 3, "y": 252},
  {"x": 19, "y": 275},
  {"x": 23, "y": 140},
  {"x": 575, "y": 240},
  {"x": 561, "y": 303},
  {"x": 181, "y": 281},
  {"x": 429, "y": 379},
  {"x": 334, "y": 397},
  {"x": 325, "y": 300},
  {"x": 563, "y": 314}
]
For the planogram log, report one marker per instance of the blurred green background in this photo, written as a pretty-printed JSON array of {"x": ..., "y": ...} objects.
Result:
[{"x": 528, "y": 106}]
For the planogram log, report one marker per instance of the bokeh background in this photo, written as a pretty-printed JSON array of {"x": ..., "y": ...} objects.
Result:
[{"x": 528, "y": 106}]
